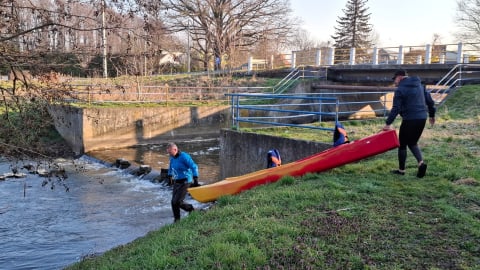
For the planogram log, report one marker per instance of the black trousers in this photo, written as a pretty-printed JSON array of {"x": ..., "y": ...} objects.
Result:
[
  {"x": 178, "y": 195},
  {"x": 410, "y": 132}
]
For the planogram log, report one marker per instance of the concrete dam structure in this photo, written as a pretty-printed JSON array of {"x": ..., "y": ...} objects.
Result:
[{"x": 87, "y": 129}]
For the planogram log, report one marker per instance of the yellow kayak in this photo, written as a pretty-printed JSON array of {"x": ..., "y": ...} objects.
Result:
[{"x": 325, "y": 160}]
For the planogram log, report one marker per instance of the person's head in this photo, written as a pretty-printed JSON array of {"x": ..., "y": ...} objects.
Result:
[
  {"x": 172, "y": 149},
  {"x": 399, "y": 75}
]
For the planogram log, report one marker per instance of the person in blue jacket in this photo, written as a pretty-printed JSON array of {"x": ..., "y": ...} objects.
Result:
[
  {"x": 411, "y": 101},
  {"x": 273, "y": 158},
  {"x": 183, "y": 172}
]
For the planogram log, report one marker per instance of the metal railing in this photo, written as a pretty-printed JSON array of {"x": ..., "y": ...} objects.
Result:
[
  {"x": 295, "y": 74},
  {"x": 459, "y": 75},
  {"x": 275, "y": 110}
]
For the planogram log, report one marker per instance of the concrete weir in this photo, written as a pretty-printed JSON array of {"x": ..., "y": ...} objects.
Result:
[{"x": 87, "y": 129}]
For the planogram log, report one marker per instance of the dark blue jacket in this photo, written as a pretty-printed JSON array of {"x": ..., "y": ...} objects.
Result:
[
  {"x": 411, "y": 101},
  {"x": 182, "y": 166}
]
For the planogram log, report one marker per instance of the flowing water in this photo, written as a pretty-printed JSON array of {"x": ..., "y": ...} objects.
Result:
[{"x": 48, "y": 227}]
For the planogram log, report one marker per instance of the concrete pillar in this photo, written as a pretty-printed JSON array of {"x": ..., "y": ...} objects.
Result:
[
  {"x": 400, "y": 55},
  {"x": 375, "y": 56},
  {"x": 294, "y": 59},
  {"x": 331, "y": 56},
  {"x": 428, "y": 54},
  {"x": 318, "y": 57},
  {"x": 459, "y": 53},
  {"x": 352, "y": 56},
  {"x": 419, "y": 59},
  {"x": 250, "y": 64}
]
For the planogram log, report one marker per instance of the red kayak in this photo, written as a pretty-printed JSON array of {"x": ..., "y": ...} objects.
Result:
[{"x": 325, "y": 160}]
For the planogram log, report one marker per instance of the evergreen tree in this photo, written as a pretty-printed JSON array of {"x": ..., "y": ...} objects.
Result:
[{"x": 353, "y": 30}]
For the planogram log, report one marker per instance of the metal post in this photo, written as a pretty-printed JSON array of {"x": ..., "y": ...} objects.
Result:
[
  {"x": 320, "y": 110},
  {"x": 337, "y": 107},
  {"x": 237, "y": 115}
]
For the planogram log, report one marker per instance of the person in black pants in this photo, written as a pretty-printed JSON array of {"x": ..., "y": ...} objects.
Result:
[
  {"x": 411, "y": 101},
  {"x": 182, "y": 171}
]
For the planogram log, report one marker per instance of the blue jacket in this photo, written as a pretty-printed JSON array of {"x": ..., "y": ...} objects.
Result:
[
  {"x": 182, "y": 166},
  {"x": 411, "y": 101}
]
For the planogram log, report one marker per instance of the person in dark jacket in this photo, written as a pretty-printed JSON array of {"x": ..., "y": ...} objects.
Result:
[
  {"x": 182, "y": 171},
  {"x": 411, "y": 101}
]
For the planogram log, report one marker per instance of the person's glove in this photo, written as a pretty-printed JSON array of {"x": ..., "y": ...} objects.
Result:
[
  {"x": 170, "y": 179},
  {"x": 195, "y": 182}
]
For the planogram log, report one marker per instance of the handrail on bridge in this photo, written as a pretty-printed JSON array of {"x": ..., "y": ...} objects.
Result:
[
  {"x": 266, "y": 109},
  {"x": 286, "y": 82},
  {"x": 455, "y": 77}
]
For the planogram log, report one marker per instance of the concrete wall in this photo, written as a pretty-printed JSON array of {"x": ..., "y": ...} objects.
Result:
[
  {"x": 87, "y": 129},
  {"x": 244, "y": 152}
]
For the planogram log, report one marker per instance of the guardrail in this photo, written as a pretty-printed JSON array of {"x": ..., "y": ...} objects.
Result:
[
  {"x": 459, "y": 75},
  {"x": 273, "y": 110}
]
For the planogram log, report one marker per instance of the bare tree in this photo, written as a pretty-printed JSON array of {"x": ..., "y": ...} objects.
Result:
[
  {"x": 39, "y": 38},
  {"x": 304, "y": 41},
  {"x": 468, "y": 20},
  {"x": 219, "y": 27}
]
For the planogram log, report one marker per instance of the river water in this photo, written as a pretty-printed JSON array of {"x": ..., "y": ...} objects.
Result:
[{"x": 48, "y": 227}]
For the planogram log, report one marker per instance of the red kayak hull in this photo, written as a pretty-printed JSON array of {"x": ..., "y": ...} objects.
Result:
[{"x": 325, "y": 160}]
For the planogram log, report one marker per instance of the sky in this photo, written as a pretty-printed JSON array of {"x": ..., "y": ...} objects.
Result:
[{"x": 396, "y": 22}]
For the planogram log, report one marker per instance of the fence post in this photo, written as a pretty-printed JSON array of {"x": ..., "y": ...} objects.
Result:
[
  {"x": 331, "y": 56},
  {"x": 352, "y": 56},
  {"x": 320, "y": 110},
  {"x": 460, "y": 53},
  {"x": 400, "y": 55},
  {"x": 428, "y": 54},
  {"x": 375, "y": 56},
  {"x": 250, "y": 64},
  {"x": 337, "y": 108},
  {"x": 318, "y": 57}
]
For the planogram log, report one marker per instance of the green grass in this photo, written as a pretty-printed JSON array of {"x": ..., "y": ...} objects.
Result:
[{"x": 358, "y": 216}]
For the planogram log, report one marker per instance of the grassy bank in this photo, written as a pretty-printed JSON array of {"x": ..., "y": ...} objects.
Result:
[{"x": 358, "y": 216}]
